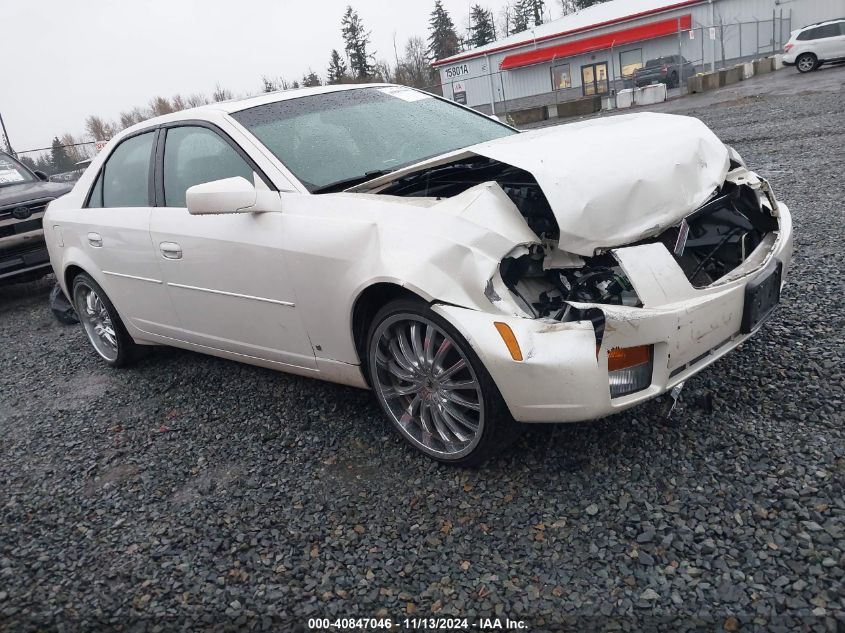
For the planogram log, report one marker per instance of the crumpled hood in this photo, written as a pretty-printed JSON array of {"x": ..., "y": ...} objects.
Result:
[{"x": 617, "y": 180}]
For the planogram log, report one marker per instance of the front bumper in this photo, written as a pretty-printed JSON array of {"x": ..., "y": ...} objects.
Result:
[
  {"x": 24, "y": 262},
  {"x": 562, "y": 377}
]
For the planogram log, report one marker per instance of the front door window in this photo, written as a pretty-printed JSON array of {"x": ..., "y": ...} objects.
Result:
[{"x": 594, "y": 79}]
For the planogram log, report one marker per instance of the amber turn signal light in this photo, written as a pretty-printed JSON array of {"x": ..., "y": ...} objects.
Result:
[
  {"x": 510, "y": 340},
  {"x": 625, "y": 357}
]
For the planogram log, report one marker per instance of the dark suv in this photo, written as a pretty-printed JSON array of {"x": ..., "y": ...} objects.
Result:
[
  {"x": 24, "y": 195},
  {"x": 669, "y": 70}
]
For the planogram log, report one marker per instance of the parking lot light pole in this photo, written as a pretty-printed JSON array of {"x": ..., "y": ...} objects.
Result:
[{"x": 6, "y": 136}]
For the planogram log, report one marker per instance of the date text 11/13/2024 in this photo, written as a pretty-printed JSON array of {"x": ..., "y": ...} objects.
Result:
[{"x": 417, "y": 624}]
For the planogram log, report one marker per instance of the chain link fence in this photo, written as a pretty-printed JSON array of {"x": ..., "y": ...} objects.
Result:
[
  {"x": 63, "y": 162},
  {"x": 688, "y": 52}
]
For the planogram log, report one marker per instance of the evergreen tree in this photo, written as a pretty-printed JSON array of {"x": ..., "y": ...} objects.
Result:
[
  {"x": 583, "y": 4},
  {"x": 443, "y": 40},
  {"x": 356, "y": 40},
  {"x": 311, "y": 79},
  {"x": 536, "y": 7},
  {"x": 43, "y": 163},
  {"x": 481, "y": 27},
  {"x": 59, "y": 158},
  {"x": 337, "y": 72},
  {"x": 521, "y": 18}
]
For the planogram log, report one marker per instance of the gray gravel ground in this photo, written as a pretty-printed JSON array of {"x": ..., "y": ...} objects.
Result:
[{"x": 274, "y": 498}]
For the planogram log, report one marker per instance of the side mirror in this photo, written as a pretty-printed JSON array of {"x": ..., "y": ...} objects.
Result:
[
  {"x": 231, "y": 195},
  {"x": 41, "y": 175}
]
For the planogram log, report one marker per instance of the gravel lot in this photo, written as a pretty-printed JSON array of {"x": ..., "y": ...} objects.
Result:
[{"x": 272, "y": 498}]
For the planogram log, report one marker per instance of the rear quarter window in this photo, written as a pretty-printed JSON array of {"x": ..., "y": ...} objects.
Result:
[{"x": 821, "y": 32}]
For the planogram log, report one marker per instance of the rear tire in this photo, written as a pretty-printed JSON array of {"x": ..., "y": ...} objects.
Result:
[
  {"x": 807, "y": 62},
  {"x": 433, "y": 388},
  {"x": 101, "y": 322}
]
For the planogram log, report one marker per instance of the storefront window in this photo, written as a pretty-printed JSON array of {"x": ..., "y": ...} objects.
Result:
[
  {"x": 561, "y": 80},
  {"x": 629, "y": 61}
]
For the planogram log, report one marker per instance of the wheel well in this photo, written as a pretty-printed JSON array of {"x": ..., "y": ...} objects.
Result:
[
  {"x": 368, "y": 303},
  {"x": 71, "y": 272}
]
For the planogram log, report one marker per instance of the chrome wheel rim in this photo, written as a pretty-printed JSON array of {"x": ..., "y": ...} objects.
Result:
[
  {"x": 427, "y": 385},
  {"x": 96, "y": 320},
  {"x": 805, "y": 63}
]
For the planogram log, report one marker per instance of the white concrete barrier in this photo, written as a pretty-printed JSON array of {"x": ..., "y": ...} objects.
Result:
[
  {"x": 625, "y": 98},
  {"x": 655, "y": 93},
  {"x": 777, "y": 62},
  {"x": 747, "y": 70}
]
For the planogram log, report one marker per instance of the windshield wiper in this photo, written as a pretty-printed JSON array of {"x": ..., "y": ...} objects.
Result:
[{"x": 340, "y": 185}]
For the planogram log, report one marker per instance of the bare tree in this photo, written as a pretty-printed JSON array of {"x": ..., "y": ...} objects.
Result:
[
  {"x": 197, "y": 99},
  {"x": 74, "y": 151},
  {"x": 382, "y": 72},
  {"x": 160, "y": 105},
  {"x": 177, "y": 103},
  {"x": 133, "y": 116},
  {"x": 221, "y": 94},
  {"x": 505, "y": 20},
  {"x": 413, "y": 69},
  {"x": 569, "y": 6},
  {"x": 99, "y": 129}
]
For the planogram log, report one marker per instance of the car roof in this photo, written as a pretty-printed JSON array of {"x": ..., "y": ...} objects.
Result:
[
  {"x": 822, "y": 23},
  {"x": 236, "y": 105}
]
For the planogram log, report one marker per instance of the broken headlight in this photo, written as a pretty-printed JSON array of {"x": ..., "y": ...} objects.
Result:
[{"x": 547, "y": 292}]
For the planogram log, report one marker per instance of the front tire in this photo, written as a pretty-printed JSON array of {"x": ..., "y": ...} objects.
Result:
[
  {"x": 101, "y": 322},
  {"x": 806, "y": 62},
  {"x": 433, "y": 388}
]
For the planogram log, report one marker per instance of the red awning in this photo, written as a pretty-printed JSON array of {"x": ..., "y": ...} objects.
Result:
[{"x": 598, "y": 42}]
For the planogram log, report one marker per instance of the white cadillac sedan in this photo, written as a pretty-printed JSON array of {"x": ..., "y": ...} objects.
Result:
[{"x": 472, "y": 276}]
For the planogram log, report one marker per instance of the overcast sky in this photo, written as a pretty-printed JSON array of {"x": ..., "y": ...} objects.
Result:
[{"x": 68, "y": 59}]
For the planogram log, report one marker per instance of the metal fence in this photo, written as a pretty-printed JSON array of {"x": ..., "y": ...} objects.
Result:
[
  {"x": 69, "y": 168},
  {"x": 703, "y": 48}
]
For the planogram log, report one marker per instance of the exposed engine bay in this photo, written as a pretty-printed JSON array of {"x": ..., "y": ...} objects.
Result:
[
  {"x": 709, "y": 242},
  {"x": 446, "y": 181}
]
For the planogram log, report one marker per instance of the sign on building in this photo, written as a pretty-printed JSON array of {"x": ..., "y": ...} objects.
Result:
[{"x": 459, "y": 92}]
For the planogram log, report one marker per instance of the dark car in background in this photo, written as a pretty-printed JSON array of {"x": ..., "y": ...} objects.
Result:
[
  {"x": 24, "y": 195},
  {"x": 669, "y": 70}
]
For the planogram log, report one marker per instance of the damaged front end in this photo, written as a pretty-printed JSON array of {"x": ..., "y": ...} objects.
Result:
[
  {"x": 708, "y": 245},
  {"x": 621, "y": 289}
]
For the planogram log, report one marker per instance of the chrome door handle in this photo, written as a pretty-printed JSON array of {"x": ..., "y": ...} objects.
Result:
[
  {"x": 95, "y": 240},
  {"x": 171, "y": 250}
]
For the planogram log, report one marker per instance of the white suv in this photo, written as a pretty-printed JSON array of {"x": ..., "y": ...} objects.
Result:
[{"x": 811, "y": 46}]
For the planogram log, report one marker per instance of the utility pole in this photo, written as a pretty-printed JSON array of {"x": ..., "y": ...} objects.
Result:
[{"x": 6, "y": 136}]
